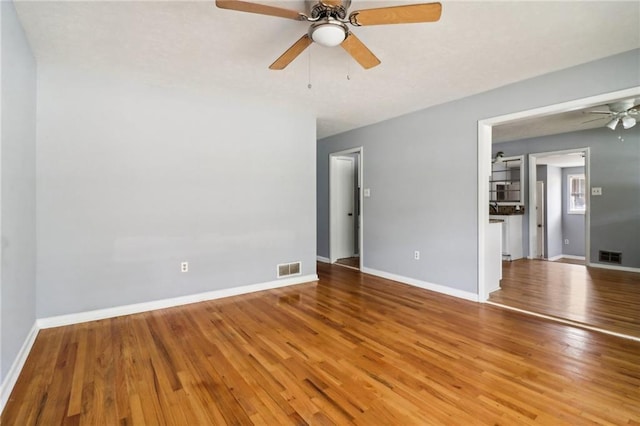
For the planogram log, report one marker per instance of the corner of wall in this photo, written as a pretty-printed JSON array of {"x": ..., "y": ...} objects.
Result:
[{"x": 9, "y": 381}]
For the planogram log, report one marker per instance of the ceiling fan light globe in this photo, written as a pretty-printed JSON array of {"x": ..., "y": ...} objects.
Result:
[
  {"x": 328, "y": 34},
  {"x": 628, "y": 122},
  {"x": 613, "y": 123}
]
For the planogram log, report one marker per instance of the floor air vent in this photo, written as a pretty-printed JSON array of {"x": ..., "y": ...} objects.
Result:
[
  {"x": 610, "y": 256},
  {"x": 288, "y": 269}
]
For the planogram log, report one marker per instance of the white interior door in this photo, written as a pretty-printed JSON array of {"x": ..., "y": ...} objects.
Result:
[
  {"x": 540, "y": 225},
  {"x": 342, "y": 213}
]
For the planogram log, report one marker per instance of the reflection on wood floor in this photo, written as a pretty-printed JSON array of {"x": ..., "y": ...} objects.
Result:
[
  {"x": 353, "y": 262},
  {"x": 350, "y": 349},
  {"x": 602, "y": 298},
  {"x": 570, "y": 261}
]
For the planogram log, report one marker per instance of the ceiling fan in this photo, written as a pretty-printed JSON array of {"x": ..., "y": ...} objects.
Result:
[
  {"x": 329, "y": 21},
  {"x": 622, "y": 111}
]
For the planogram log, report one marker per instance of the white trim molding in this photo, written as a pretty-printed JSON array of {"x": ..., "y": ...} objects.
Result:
[
  {"x": 565, "y": 321},
  {"x": 323, "y": 259},
  {"x": 565, "y": 256},
  {"x": 571, "y": 256},
  {"x": 14, "y": 372},
  {"x": 614, "y": 267},
  {"x": 423, "y": 284},
  {"x": 117, "y": 311}
]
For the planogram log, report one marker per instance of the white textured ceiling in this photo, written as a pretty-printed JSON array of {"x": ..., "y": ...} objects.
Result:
[
  {"x": 562, "y": 160},
  {"x": 476, "y": 46},
  {"x": 570, "y": 121}
]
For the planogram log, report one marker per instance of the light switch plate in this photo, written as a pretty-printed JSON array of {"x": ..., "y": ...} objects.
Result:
[
  {"x": 367, "y": 192},
  {"x": 596, "y": 191}
]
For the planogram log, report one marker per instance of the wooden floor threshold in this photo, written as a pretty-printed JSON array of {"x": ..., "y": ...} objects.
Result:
[
  {"x": 353, "y": 268},
  {"x": 565, "y": 321}
]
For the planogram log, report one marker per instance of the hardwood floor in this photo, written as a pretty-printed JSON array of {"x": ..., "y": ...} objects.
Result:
[
  {"x": 353, "y": 262},
  {"x": 351, "y": 349},
  {"x": 570, "y": 261},
  {"x": 602, "y": 298}
]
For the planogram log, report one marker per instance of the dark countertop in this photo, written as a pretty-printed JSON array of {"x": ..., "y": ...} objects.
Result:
[{"x": 506, "y": 210}]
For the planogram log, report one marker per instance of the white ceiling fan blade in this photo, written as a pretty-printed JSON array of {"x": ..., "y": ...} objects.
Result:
[{"x": 595, "y": 119}]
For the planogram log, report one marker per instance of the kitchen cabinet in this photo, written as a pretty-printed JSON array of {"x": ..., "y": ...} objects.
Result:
[{"x": 511, "y": 236}]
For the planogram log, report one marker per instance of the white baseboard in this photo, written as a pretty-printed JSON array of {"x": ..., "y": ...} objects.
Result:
[
  {"x": 323, "y": 259},
  {"x": 12, "y": 375},
  {"x": 117, "y": 311},
  {"x": 571, "y": 256},
  {"x": 423, "y": 284},
  {"x": 614, "y": 267},
  {"x": 565, "y": 256}
]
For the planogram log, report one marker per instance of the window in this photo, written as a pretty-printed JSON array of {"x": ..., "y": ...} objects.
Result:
[{"x": 577, "y": 194}]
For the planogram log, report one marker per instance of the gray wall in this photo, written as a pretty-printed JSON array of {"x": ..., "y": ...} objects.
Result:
[
  {"x": 422, "y": 171},
  {"x": 615, "y": 166},
  {"x": 553, "y": 212},
  {"x": 572, "y": 224},
  {"x": 134, "y": 179},
  {"x": 18, "y": 196}
]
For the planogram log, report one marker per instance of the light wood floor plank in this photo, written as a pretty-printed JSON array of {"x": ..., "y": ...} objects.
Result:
[
  {"x": 603, "y": 298},
  {"x": 351, "y": 349}
]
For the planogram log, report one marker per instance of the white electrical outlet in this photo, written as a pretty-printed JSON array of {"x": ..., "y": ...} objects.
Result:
[
  {"x": 184, "y": 267},
  {"x": 596, "y": 190},
  {"x": 566, "y": 241},
  {"x": 367, "y": 192},
  {"x": 416, "y": 255}
]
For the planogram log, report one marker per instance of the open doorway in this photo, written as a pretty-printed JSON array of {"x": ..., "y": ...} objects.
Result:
[
  {"x": 586, "y": 295},
  {"x": 558, "y": 228},
  {"x": 345, "y": 212},
  {"x": 485, "y": 139}
]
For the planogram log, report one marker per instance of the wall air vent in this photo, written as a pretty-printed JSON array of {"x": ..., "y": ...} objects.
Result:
[
  {"x": 610, "y": 256},
  {"x": 289, "y": 269}
]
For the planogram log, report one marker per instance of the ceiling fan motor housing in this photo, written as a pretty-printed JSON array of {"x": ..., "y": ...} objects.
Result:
[{"x": 336, "y": 9}]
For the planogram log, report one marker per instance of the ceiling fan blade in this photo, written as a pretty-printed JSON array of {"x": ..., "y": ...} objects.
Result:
[
  {"x": 261, "y": 9},
  {"x": 287, "y": 57},
  {"x": 595, "y": 119},
  {"x": 359, "y": 51},
  {"x": 413, "y": 13}
]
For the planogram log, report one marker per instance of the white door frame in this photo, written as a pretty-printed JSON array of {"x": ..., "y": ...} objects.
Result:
[
  {"x": 541, "y": 223},
  {"x": 533, "y": 229},
  {"x": 484, "y": 161},
  {"x": 360, "y": 151}
]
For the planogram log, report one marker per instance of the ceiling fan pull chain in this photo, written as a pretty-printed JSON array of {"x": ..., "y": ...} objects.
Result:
[
  {"x": 309, "y": 85},
  {"x": 348, "y": 67}
]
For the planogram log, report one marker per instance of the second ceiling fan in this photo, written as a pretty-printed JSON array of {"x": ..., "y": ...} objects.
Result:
[{"x": 329, "y": 21}]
